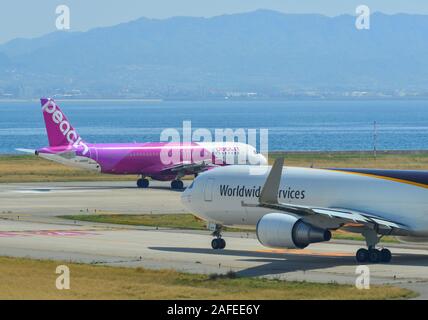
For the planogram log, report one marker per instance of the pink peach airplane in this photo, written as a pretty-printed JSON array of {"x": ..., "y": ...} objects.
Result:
[{"x": 147, "y": 160}]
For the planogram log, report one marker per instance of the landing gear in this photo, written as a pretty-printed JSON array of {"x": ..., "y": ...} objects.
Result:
[
  {"x": 142, "y": 183},
  {"x": 372, "y": 254},
  {"x": 385, "y": 255},
  {"x": 362, "y": 255},
  {"x": 177, "y": 185},
  {"x": 218, "y": 242}
]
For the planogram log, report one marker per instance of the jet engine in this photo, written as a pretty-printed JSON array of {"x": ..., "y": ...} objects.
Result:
[{"x": 279, "y": 230}]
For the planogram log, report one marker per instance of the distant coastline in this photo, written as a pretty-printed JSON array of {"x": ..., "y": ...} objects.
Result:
[
  {"x": 257, "y": 54},
  {"x": 84, "y": 100},
  {"x": 158, "y": 100}
]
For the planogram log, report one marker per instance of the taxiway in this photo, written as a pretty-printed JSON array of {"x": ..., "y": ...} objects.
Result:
[{"x": 29, "y": 228}]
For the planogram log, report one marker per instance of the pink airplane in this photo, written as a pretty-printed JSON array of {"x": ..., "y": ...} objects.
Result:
[{"x": 163, "y": 161}]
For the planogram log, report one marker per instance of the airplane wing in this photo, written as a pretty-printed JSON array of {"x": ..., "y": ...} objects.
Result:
[{"x": 269, "y": 199}]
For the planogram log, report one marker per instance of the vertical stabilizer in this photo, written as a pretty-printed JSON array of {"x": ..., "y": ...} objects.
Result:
[{"x": 59, "y": 130}]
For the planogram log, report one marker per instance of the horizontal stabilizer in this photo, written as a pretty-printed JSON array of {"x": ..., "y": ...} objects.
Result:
[{"x": 26, "y": 150}]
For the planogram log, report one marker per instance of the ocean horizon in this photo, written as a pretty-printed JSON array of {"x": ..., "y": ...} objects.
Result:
[{"x": 296, "y": 125}]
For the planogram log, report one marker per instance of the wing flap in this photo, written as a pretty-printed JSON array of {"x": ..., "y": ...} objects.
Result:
[{"x": 190, "y": 167}]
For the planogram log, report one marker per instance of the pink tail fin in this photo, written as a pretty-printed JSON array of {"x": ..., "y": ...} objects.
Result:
[{"x": 59, "y": 130}]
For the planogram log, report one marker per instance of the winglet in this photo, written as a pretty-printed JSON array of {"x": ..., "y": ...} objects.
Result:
[{"x": 270, "y": 189}]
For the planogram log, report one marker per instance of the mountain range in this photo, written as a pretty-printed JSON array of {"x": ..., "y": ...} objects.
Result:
[{"x": 263, "y": 53}]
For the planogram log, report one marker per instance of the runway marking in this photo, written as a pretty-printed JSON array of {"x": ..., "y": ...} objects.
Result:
[
  {"x": 50, "y": 191},
  {"x": 307, "y": 252},
  {"x": 51, "y": 233},
  {"x": 62, "y": 233},
  {"x": 11, "y": 234}
]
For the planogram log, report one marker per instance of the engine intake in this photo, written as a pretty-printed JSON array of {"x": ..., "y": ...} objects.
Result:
[{"x": 279, "y": 230}]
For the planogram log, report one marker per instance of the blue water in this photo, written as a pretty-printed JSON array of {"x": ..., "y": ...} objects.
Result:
[{"x": 293, "y": 125}]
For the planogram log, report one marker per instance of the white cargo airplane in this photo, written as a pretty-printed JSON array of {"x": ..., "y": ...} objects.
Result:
[{"x": 294, "y": 207}]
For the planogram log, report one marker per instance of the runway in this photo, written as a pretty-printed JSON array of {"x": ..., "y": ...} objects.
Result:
[{"x": 27, "y": 231}]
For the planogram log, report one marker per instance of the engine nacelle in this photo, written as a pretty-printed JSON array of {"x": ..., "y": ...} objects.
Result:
[{"x": 279, "y": 230}]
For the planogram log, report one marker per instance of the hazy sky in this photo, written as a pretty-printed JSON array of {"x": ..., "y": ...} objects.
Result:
[{"x": 30, "y": 18}]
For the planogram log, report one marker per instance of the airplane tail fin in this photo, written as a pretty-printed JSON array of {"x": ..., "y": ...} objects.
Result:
[{"x": 59, "y": 130}]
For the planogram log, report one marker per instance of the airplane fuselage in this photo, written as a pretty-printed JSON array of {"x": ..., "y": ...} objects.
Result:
[
  {"x": 401, "y": 196},
  {"x": 148, "y": 159}
]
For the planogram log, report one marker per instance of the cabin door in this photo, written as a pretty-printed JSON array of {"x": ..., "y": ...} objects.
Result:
[{"x": 208, "y": 192}]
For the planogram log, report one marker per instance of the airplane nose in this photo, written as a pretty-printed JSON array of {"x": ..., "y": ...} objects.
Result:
[{"x": 262, "y": 160}]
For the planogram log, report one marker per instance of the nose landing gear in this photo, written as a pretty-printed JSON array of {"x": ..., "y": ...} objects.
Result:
[{"x": 218, "y": 242}]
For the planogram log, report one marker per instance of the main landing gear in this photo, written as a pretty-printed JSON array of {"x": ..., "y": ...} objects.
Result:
[
  {"x": 177, "y": 185},
  {"x": 218, "y": 242},
  {"x": 372, "y": 254},
  {"x": 143, "y": 183}
]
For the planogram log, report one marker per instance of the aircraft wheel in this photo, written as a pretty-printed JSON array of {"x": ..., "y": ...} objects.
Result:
[
  {"x": 177, "y": 185},
  {"x": 222, "y": 243},
  {"x": 385, "y": 255},
  {"x": 142, "y": 183},
  {"x": 362, "y": 255},
  {"x": 374, "y": 256},
  {"x": 218, "y": 243},
  {"x": 215, "y": 244}
]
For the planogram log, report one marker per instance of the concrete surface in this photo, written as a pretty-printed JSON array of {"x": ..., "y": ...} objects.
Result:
[
  {"x": 62, "y": 198},
  {"x": 29, "y": 228}
]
